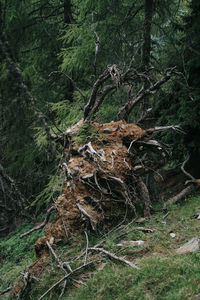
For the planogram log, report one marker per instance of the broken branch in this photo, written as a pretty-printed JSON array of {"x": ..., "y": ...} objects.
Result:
[
  {"x": 49, "y": 211},
  {"x": 66, "y": 277},
  {"x": 125, "y": 111},
  {"x": 5, "y": 291},
  {"x": 112, "y": 255}
]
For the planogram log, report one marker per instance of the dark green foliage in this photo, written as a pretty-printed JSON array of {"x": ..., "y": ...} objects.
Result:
[
  {"x": 100, "y": 33},
  {"x": 179, "y": 104},
  {"x": 86, "y": 132}
]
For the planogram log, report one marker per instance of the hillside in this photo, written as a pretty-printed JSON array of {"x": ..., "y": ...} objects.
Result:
[
  {"x": 99, "y": 149},
  {"x": 161, "y": 273}
]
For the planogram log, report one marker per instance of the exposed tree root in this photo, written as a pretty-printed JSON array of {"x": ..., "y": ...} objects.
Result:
[{"x": 39, "y": 227}]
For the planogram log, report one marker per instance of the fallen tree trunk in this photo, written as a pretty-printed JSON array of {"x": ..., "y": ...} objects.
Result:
[{"x": 180, "y": 196}]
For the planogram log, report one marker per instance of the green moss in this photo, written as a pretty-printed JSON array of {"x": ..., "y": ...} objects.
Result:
[{"x": 16, "y": 254}]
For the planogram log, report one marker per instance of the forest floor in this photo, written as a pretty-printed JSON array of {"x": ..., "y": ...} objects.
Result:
[{"x": 161, "y": 273}]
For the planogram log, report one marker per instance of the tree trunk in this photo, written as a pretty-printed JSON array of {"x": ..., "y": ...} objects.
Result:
[
  {"x": 147, "y": 43},
  {"x": 68, "y": 19}
]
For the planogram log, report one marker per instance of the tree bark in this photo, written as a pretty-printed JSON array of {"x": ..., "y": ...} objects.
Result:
[
  {"x": 68, "y": 19},
  {"x": 147, "y": 33},
  {"x": 147, "y": 43}
]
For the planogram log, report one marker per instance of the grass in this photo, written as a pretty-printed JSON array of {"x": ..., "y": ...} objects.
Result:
[
  {"x": 162, "y": 275},
  {"x": 15, "y": 255}
]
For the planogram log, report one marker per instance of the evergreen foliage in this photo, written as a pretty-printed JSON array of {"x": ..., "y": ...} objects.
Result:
[{"x": 60, "y": 49}]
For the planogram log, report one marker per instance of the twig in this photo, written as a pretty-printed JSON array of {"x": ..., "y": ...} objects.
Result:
[
  {"x": 66, "y": 277},
  {"x": 56, "y": 257},
  {"x": 127, "y": 108},
  {"x": 86, "y": 250},
  {"x": 49, "y": 211},
  {"x": 185, "y": 172},
  {"x": 5, "y": 291},
  {"x": 63, "y": 290},
  {"x": 176, "y": 128},
  {"x": 26, "y": 281},
  {"x": 112, "y": 255}
]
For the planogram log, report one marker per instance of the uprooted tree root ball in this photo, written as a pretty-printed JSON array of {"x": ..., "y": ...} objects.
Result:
[
  {"x": 104, "y": 178},
  {"x": 105, "y": 167}
]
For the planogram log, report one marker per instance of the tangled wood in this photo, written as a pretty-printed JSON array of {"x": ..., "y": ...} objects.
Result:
[{"x": 104, "y": 183}]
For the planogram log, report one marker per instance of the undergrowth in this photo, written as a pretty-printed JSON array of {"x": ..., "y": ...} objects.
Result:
[
  {"x": 162, "y": 275},
  {"x": 16, "y": 254}
]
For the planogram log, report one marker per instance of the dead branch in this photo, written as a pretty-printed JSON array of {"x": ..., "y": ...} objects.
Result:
[
  {"x": 97, "y": 43},
  {"x": 127, "y": 108},
  {"x": 176, "y": 128},
  {"x": 185, "y": 172},
  {"x": 115, "y": 257},
  {"x": 63, "y": 290},
  {"x": 60, "y": 264},
  {"x": 184, "y": 193},
  {"x": 143, "y": 116},
  {"x": 5, "y": 291},
  {"x": 102, "y": 78},
  {"x": 66, "y": 277},
  {"x": 26, "y": 281},
  {"x": 49, "y": 211},
  {"x": 99, "y": 100},
  {"x": 86, "y": 250}
]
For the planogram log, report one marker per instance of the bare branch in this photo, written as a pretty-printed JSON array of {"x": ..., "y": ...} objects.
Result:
[
  {"x": 176, "y": 128},
  {"x": 185, "y": 172},
  {"x": 99, "y": 100},
  {"x": 49, "y": 211},
  {"x": 66, "y": 277},
  {"x": 95, "y": 89},
  {"x": 60, "y": 263},
  {"x": 112, "y": 255},
  {"x": 86, "y": 250},
  {"x": 5, "y": 291},
  {"x": 185, "y": 192},
  {"x": 127, "y": 108}
]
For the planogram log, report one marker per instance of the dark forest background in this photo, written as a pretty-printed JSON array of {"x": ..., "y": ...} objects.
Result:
[{"x": 52, "y": 52}]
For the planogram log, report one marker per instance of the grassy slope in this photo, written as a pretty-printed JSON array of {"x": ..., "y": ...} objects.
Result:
[{"x": 162, "y": 275}]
